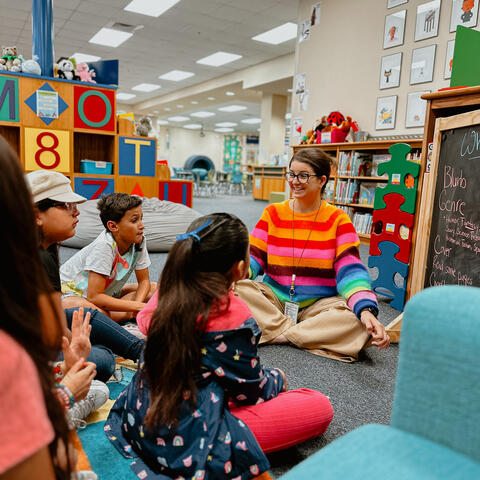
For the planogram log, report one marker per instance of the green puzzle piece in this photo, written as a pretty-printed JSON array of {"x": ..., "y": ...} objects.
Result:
[{"x": 397, "y": 168}]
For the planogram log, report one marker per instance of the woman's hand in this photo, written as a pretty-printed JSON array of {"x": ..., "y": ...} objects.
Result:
[
  {"x": 79, "y": 346},
  {"x": 79, "y": 378},
  {"x": 375, "y": 329}
]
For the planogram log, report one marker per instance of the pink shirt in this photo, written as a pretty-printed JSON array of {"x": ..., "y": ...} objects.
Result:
[{"x": 25, "y": 427}]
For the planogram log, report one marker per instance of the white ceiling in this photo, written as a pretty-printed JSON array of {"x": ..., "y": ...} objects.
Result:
[{"x": 190, "y": 30}]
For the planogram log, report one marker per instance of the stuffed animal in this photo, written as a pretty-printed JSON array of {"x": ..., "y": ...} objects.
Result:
[
  {"x": 144, "y": 126},
  {"x": 66, "y": 68},
  {"x": 10, "y": 60},
  {"x": 31, "y": 66},
  {"x": 335, "y": 118},
  {"x": 84, "y": 73}
]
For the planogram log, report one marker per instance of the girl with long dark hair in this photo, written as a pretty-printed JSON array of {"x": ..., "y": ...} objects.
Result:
[{"x": 201, "y": 404}]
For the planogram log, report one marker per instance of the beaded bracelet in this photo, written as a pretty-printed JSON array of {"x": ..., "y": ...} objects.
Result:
[{"x": 65, "y": 395}]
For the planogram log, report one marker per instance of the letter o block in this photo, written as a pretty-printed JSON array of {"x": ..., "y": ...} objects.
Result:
[
  {"x": 47, "y": 150},
  {"x": 94, "y": 109}
]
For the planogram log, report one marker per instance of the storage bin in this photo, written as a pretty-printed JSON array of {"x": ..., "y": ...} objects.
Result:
[{"x": 92, "y": 166}]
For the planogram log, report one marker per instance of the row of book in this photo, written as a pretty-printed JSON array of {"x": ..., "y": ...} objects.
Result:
[
  {"x": 347, "y": 191},
  {"x": 354, "y": 164},
  {"x": 362, "y": 222}
]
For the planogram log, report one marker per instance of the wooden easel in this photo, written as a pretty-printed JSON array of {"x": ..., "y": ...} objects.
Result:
[{"x": 440, "y": 104}]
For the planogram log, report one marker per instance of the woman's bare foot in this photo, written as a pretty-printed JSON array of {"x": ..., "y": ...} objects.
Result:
[{"x": 280, "y": 339}]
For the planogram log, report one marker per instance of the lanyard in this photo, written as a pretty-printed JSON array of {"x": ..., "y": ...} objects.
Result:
[{"x": 292, "y": 285}]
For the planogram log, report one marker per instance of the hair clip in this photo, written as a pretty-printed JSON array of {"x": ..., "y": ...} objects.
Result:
[{"x": 195, "y": 232}]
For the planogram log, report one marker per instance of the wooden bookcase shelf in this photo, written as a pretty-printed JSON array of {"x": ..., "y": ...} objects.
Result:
[
  {"x": 372, "y": 147},
  {"x": 267, "y": 179}
]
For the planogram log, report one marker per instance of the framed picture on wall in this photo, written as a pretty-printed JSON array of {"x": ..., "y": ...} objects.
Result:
[
  {"x": 428, "y": 15},
  {"x": 464, "y": 13},
  {"x": 423, "y": 61},
  {"x": 449, "y": 59},
  {"x": 416, "y": 107},
  {"x": 390, "y": 71},
  {"x": 394, "y": 3},
  {"x": 394, "y": 29},
  {"x": 385, "y": 112}
]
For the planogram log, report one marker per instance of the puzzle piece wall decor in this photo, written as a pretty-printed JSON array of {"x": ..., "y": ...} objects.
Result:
[
  {"x": 398, "y": 168},
  {"x": 391, "y": 219},
  {"x": 388, "y": 267}
]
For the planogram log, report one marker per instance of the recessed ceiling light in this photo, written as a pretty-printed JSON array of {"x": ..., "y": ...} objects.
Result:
[
  {"x": 224, "y": 130},
  {"x": 178, "y": 118},
  {"x": 125, "y": 96},
  {"x": 277, "y": 35},
  {"x": 193, "y": 126},
  {"x": 226, "y": 124},
  {"x": 155, "y": 111},
  {"x": 153, "y": 8},
  {"x": 211, "y": 98},
  {"x": 110, "y": 37},
  {"x": 146, "y": 87},
  {"x": 162, "y": 122},
  {"x": 167, "y": 109},
  {"x": 232, "y": 108},
  {"x": 252, "y": 120},
  {"x": 176, "y": 75},
  {"x": 202, "y": 114},
  {"x": 179, "y": 106},
  {"x": 288, "y": 116},
  {"x": 230, "y": 94},
  {"x": 84, "y": 57},
  {"x": 194, "y": 102},
  {"x": 219, "y": 58}
]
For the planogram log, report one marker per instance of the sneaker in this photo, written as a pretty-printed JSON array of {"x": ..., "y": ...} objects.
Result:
[
  {"x": 84, "y": 475},
  {"x": 96, "y": 397}
]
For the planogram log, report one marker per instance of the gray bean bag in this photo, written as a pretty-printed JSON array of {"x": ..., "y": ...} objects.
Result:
[{"x": 163, "y": 222}]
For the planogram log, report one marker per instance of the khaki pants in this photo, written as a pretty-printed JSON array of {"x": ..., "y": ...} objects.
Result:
[{"x": 327, "y": 328}]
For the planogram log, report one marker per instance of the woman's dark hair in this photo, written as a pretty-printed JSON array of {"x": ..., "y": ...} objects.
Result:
[
  {"x": 113, "y": 206},
  {"x": 195, "y": 281},
  {"x": 318, "y": 159},
  {"x": 22, "y": 286}
]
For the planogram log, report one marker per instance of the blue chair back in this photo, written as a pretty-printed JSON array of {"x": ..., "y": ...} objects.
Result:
[
  {"x": 437, "y": 390},
  {"x": 237, "y": 177}
]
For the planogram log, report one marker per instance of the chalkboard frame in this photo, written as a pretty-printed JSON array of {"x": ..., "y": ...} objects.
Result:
[{"x": 425, "y": 213}]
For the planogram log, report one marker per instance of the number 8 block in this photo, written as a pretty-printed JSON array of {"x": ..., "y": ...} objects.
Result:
[{"x": 47, "y": 149}]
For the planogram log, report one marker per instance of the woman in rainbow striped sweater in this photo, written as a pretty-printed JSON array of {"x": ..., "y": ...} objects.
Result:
[{"x": 315, "y": 292}]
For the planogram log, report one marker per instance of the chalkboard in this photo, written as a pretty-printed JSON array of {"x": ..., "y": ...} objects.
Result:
[{"x": 453, "y": 256}]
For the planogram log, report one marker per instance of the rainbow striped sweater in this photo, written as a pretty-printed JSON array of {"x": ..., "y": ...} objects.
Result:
[{"x": 330, "y": 263}]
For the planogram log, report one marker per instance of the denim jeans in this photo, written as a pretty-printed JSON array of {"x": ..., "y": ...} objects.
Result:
[{"x": 107, "y": 337}]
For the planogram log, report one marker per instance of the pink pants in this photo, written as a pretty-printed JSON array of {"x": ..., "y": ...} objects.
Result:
[{"x": 288, "y": 419}]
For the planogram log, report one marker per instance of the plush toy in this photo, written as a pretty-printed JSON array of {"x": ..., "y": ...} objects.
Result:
[
  {"x": 65, "y": 68},
  {"x": 335, "y": 118},
  {"x": 84, "y": 73},
  {"x": 10, "y": 60},
  {"x": 31, "y": 66},
  {"x": 144, "y": 126}
]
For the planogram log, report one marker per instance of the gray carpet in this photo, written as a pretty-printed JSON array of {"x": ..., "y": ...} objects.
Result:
[{"x": 360, "y": 393}]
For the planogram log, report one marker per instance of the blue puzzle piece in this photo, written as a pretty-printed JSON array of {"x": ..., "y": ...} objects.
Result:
[{"x": 388, "y": 266}]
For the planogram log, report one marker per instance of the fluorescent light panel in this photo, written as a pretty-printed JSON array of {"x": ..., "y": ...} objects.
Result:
[
  {"x": 178, "y": 118},
  {"x": 153, "y": 8},
  {"x": 162, "y": 122},
  {"x": 84, "y": 57},
  {"x": 176, "y": 75},
  {"x": 224, "y": 130},
  {"x": 202, "y": 114},
  {"x": 125, "y": 96},
  {"x": 146, "y": 87},
  {"x": 226, "y": 124},
  {"x": 230, "y": 94},
  {"x": 277, "y": 35},
  {"x": 193, "y": 126},
  {"x": 211, "y": 98},
  {"x": 232, "y": 108},
  {"x": 252, "y": 120},
  {"x": 110, "y": 37},
  {"x": 219, "y": 58}
]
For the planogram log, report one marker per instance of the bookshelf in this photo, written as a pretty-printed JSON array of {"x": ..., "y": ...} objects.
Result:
[
  {"x": 346, "y": 183},
  {"x": 267, "y": 179}
]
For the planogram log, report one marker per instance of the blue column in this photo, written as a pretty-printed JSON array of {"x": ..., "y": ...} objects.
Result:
[{"x": 42, "y": 34}]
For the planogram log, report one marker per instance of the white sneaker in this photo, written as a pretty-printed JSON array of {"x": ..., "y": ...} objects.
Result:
[
  {"x": 84, "y": 475},
  {"x": 97, "y": 395}
]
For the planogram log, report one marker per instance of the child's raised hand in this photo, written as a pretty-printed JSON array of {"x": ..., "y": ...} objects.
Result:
[
  {"x": 79, "y": 378},
  {"x": 79, "y": 346}
]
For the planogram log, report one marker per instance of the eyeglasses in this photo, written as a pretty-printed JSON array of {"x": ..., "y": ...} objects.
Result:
[
  {"x": 301, "y": 177},
  {"x": 68, "y": 206}
]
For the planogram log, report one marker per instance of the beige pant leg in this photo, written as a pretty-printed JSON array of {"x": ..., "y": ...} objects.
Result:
[
  {"x": 330, "y": 329},
  {"x": 266, "y": 308}
]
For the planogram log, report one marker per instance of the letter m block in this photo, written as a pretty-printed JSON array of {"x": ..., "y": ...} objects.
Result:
[{"x": 9, "y": 99}]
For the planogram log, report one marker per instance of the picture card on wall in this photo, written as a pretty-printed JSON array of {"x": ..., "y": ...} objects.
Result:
[
  {"x": 390, "y": 71},
  {"x": 385, "y": 113},
  {"x": 416, "y": 108},
  {"x": 464, "y": 13},
  {"x": 449, "y": 59},
  {"x": 394, "y": 3},
  {"x": 394, "y": 29},
  {"x": 428, "y": 15},
  {"x": 423, "y": 60}
]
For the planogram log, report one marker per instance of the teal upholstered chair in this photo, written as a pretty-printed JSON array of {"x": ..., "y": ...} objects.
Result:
[{"x": 435, "y": 425}]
